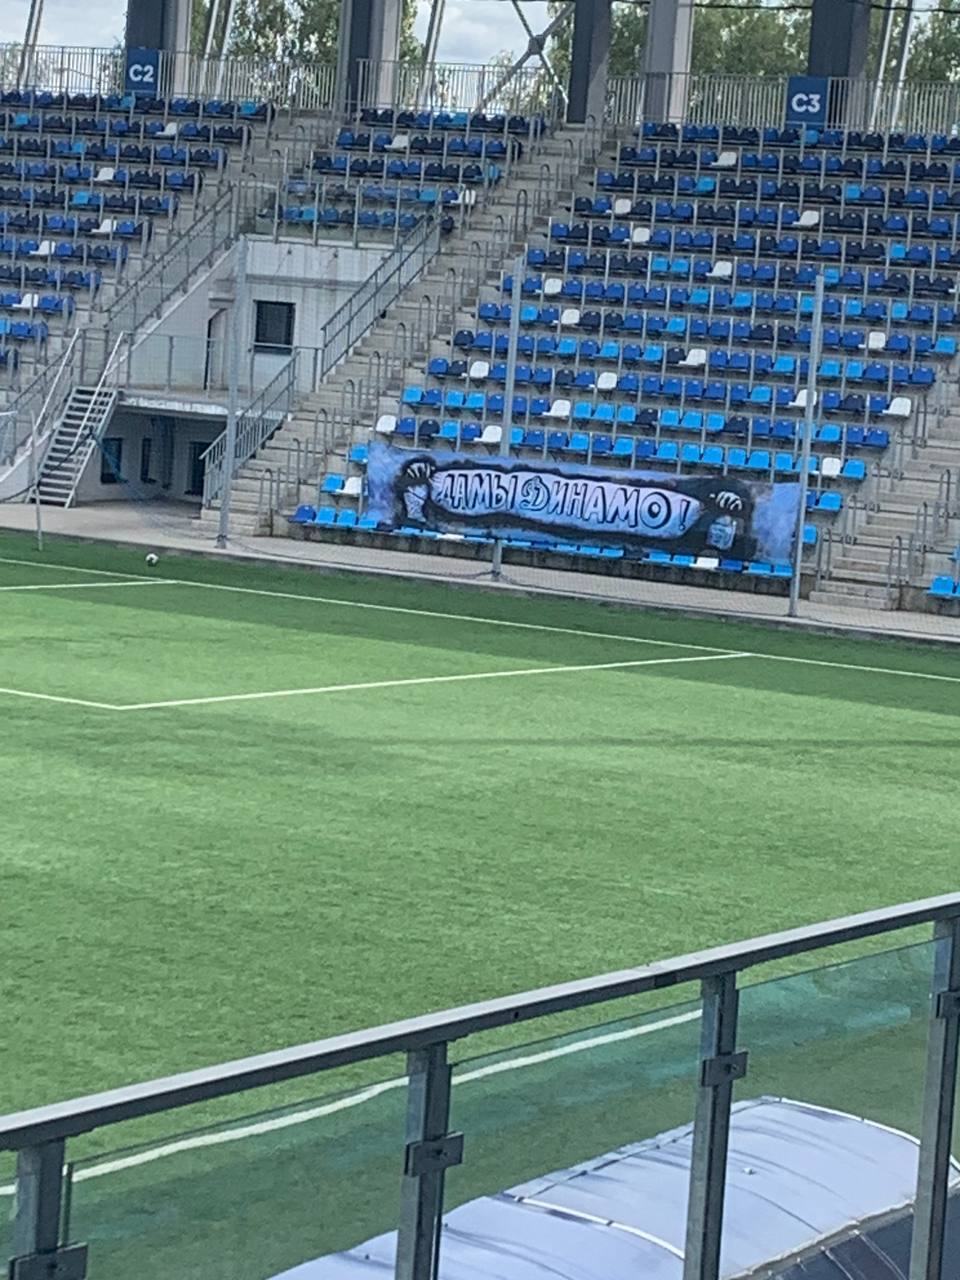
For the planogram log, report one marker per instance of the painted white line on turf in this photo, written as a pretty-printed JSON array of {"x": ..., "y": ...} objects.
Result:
[
  {"x": 503, "y": 622},
  {"x": 854, "y": 666},
  {"x": 256, "y": 1129},
  {"x": 72, "y": 568},
  {"x": 402, "y": 609},
  {"x": 418, "y": 680},
  {"x": 53, "y": 697},
  {"x": 90, "y": 586}
]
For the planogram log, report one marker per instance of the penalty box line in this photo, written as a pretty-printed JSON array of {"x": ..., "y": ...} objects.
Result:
[{"x": 406, "y": 682}]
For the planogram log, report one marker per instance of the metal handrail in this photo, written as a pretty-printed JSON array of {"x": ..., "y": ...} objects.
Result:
[
  {"x": 255, "y": 425},
  {"x": 80, "y": 1115},
  {"x": 20, "y": 408}
]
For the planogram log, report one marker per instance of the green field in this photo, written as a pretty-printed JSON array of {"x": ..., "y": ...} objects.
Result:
[{"x": 255, "y": 805}]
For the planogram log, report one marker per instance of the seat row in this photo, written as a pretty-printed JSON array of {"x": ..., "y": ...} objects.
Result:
[
  {"x": 71, "y": 175},
  {"x": 63, "y": 250},
  {"x": 725, "y": 333},
  {"x": 113, "y": 152},
  {"x": 718, "y": 361},
  {"x": 809, "y": 193},
  {"x": 364, "y": 219},
  {"x": 23, "y": 330},
  {"x": 399, "y": 170},
  {"x": 77, "y": 127},
  {"x": 422, "y": 144},
  {"x": 23, "y": 277},
  {"x": 734, "y": 396},
  {"x": 70, "y": 198},
  {"x": 706, "y": 271},
  {"x": 807, "y": 248},
  {"x": 743, "y": 215},
  {"x": 50, "y": 304},
  {"x": 809, "y": 138},
  {"x": 137, "y": 104},
  {"x": 458, "y": 121},
  {"x": 635, "y": 449}
]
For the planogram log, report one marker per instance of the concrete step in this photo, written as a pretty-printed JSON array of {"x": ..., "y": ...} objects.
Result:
[{"x": 840, "y": 599}]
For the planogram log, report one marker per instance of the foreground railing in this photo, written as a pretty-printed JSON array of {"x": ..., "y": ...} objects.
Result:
[{"x": 851, "y": 1034}]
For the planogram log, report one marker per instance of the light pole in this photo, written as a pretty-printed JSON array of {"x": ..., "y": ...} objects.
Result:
[{"x": 238, "y": 323}]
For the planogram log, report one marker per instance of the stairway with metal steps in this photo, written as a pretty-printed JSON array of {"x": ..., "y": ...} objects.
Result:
[{"x": 85, "y": 418}]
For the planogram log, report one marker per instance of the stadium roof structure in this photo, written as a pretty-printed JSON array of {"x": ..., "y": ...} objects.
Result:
[{"x": 812, "y": 1194}]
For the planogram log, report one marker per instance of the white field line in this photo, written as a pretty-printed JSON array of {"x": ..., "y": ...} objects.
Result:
[
  {"x": 72, "y": 568},
  {"x": 496, "y": 622},
  {"x": 256, "y": 1129},
  {"x": 393, "y": 608},
  {"x": 419, "y": 680},
  {"x": 86, "y": 586},
  {"x": 53, "y": 697}
]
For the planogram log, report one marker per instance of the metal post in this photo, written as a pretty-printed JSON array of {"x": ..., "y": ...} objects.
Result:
[
  {"x": 809, "y": 425},
  {"x": 933, "y": 1172},
  {"x": 430, "y": 1151},
  {"x": 519, "y": 266},
  {"x": 35, "y": 480},
  {"x": 36, "y": 1220},
  {"x": 902, "y": 62},
  {"x": 882, "y": 64},
  {"x": 720, "y": 1066},
  {"x": 238, "y": 323}
]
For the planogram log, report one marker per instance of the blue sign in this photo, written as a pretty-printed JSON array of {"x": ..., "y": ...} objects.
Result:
[
  {"x": 546, "y": 502},
  {"x": 142, "y": 73},
  {"x": 807, "y": 100}
]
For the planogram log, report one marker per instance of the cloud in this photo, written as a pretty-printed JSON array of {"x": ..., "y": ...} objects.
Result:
[
  {"x": 98, "y": 23},
  {"x": 478, "y": 30}
]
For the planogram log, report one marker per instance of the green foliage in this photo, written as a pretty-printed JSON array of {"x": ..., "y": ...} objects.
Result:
[
  {"x": 936, "y": 45},
  {"x": 294, "y": 29}
]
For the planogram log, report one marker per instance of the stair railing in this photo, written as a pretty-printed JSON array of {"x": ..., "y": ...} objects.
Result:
[{"x": 35, "y": 404}]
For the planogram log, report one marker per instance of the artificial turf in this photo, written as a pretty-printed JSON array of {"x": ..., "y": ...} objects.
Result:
[{"x": 190, "y": 883}]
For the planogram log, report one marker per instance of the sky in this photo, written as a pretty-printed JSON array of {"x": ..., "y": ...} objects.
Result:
[{"x": 473, "y": 30}]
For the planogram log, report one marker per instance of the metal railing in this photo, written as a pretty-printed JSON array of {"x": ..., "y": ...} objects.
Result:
[
  {"x": 756, "y": 101},
  {"x": 301, "y": 84},
  {"x": 255, "y": 425},
  {"x": 468, "y": 87},
  {"x": 378, "y": 292},
  {"x": 428, "y": 1147},
  {"x": 43, "y": 398},
  {"x": 197, "y": 246}
]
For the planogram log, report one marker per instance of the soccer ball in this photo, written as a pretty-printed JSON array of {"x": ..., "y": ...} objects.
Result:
[{"x": 152, "y": 559}]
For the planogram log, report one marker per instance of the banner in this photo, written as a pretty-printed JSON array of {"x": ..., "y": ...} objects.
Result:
[{"x": 545, "y": 501}]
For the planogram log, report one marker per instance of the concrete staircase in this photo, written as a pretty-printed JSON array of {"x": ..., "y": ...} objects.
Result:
[
  {"x": 396, "y": 348},
  {"x": 860, "y": 573},
  {"x": 85, "y": 419}
]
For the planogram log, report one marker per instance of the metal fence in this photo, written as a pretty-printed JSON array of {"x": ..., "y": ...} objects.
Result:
[
  {"x": 757, "y": 101},
  {"x": 197, "y": 246},
  {"x": 843, "y": 1033},
  {"x": 526, "y": 91}
]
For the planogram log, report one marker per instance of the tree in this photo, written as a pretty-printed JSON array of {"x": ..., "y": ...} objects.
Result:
[
  {"x": 290, "y": 29},
  {"x": 750, "y": 41},
  {"x": 936, "y": 45}
]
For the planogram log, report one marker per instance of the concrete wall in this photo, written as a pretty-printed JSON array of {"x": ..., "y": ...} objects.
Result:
[
  {"x": 131, "y": 426},
  {"x": 316, "y": 279}
]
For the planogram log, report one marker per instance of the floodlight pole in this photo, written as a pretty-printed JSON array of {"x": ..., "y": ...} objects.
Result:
[
  {"x": 809, "y": 425},
  {"x": 519, "y": 266},
  {"x": 238, "y": 319}
]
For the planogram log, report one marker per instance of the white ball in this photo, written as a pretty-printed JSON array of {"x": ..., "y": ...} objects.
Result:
[{"x": 152, "y": 559}]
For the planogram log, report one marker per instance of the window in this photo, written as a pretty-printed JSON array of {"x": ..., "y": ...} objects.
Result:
[
  {"x": 146, "y": 451},
  {"x": 274, "y": 331},
  {"x": 196, "y": 468},
  {"x": 111, "y": 460}
]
